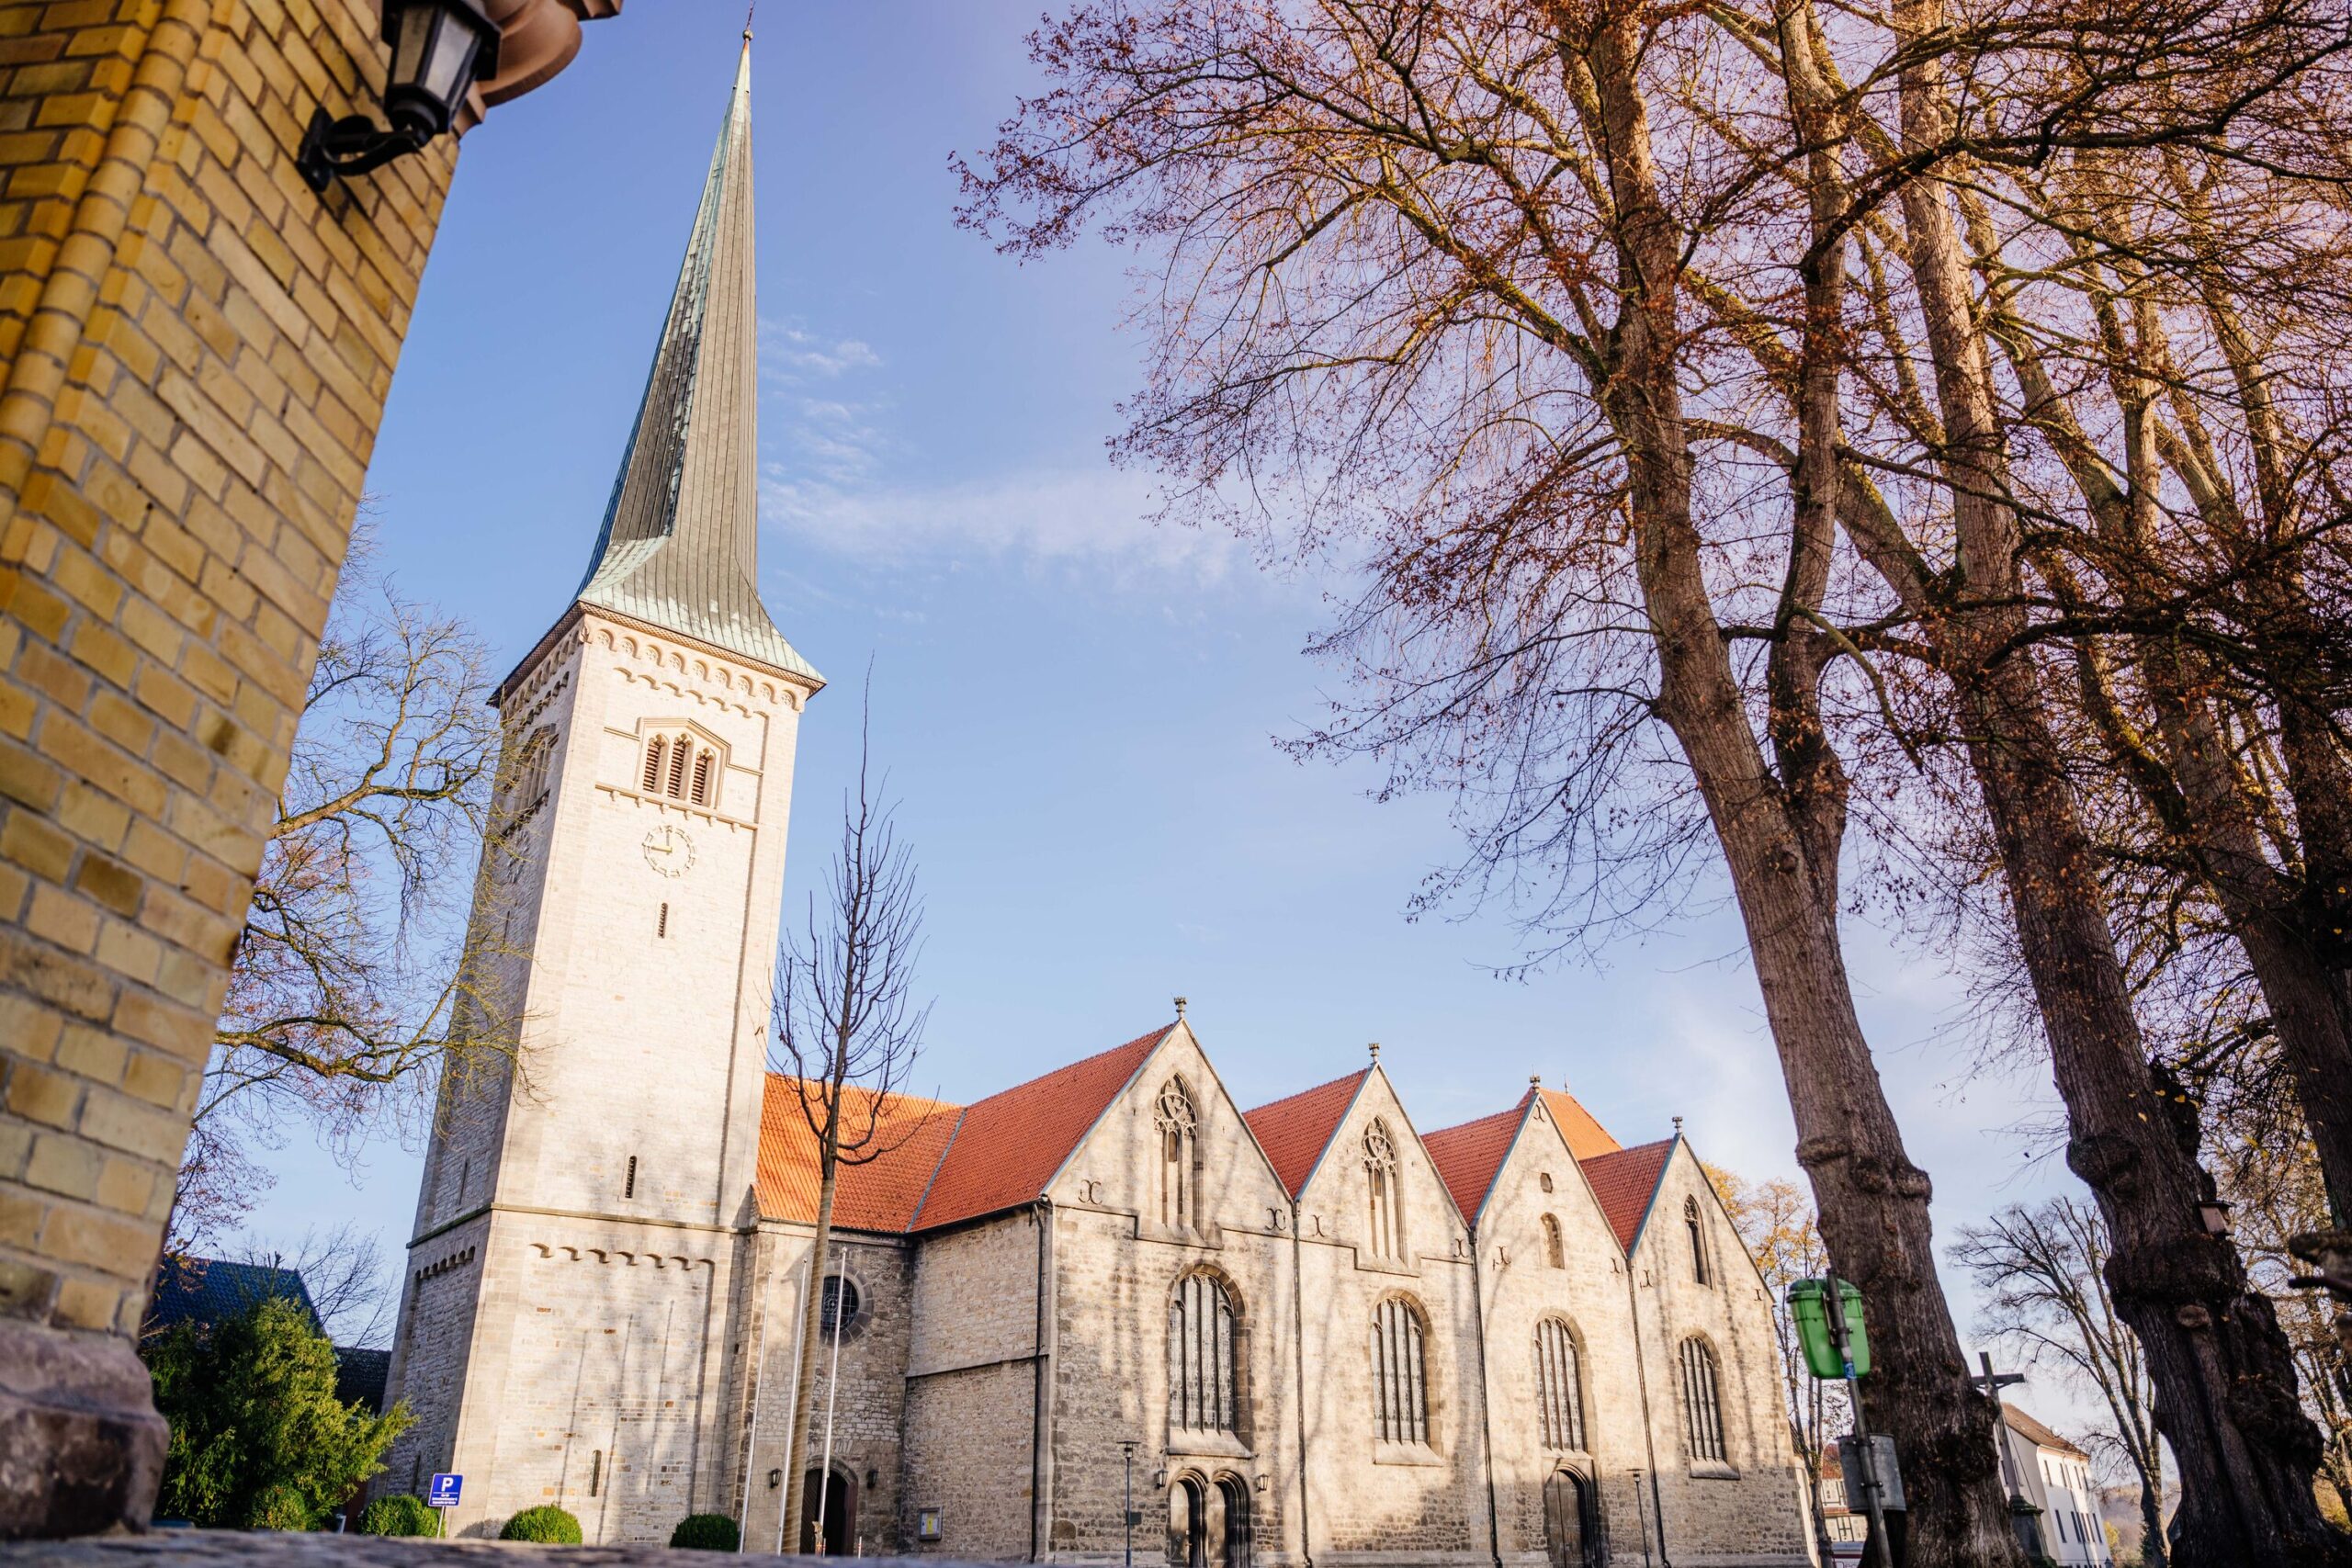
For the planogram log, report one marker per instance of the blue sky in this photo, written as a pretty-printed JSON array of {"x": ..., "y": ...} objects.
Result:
[{"x": 1078, "y": 708}]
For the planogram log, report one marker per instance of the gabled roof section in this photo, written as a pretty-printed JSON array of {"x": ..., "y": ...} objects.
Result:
[
  {"x": 210, "y": 1291},
  {"x": 1588, "y": 1139},
  {"x": 2034, "y": 1432},
  {"x": 1624, "y": 1181},
  {"x": 881, "y": 1194},
  {"x": 1010, "y": 1146},
  {"x": 679, "y": 546},
  {"x": 1470, "y": 1155},
  {"x": 1296, "y": 1129}
]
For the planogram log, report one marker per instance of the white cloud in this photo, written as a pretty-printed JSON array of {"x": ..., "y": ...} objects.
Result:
[
  {"x": 1093, "y": 520},
  {"x": 792, "y": 352}
]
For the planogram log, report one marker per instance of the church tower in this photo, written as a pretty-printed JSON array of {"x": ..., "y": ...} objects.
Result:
[{"x": 563, "y": 1334}]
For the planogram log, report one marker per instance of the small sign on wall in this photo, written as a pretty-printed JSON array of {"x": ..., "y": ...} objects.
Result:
[{"x": 926, "y": 1524}]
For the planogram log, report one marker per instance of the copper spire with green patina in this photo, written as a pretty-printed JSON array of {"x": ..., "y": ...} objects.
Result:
[{"x": 679, "y": 549}]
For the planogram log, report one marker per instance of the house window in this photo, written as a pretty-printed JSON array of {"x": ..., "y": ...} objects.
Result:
[
  {"x": 1698, "y": 1241},
  {"x": 1702, "y": 1411},
  {"x": 679, "y": 767},
  {"x": 1380, "y": 1164},
  {"x": 1555, "y": 1252},
  {"x": 1559, "y": 1387},
  {"x": 1177, "y": 1126},
  {"x": 1201, "y": 1344},
  {"x": 1400, "y": 1373}
]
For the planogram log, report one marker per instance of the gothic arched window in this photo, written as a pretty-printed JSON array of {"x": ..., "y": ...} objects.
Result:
[
  {"x": 1380, "y": 1166},
  {"x": 1177, "y": 1126},
  {"x": 1555, "y": 1252},
  {"x": 1698, "y": 1233},
  {"x": 1559, "y": 1386},
  {"x": 657, "y": 751},
  {"x": 1400, "y": 1373},
  {"x": 678, "y": 768},
  {"x": 1702, "y": 1408},
  {"x": 1202, "y": 1340}
]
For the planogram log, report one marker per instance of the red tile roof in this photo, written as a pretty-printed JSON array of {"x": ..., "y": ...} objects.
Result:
[
  {"x": 1588, "y": 1139},
  {"x": 879, "y": 1195},
  {"x": 1623, "y": 1180},
  {"x": 1010, "y": 1144},
  {"x": 1469, "y": 1156},
  {"x": 1296, "y": 1130}
]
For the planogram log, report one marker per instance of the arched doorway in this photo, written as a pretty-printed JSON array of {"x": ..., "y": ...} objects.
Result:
[
  {"x": 1187, "y": 1524},
  {"x": 838, "y": 1499},
  {"x": 1233, "y": 1524},
  {"x": 1571, "y": 1523}
]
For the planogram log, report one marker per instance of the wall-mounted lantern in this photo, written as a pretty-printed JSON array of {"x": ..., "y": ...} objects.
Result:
[
  {"x": 440, "y": 48},
  {"x": 775, "y": 1479}
]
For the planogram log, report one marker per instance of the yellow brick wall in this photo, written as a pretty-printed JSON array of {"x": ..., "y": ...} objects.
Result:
[{"x": 194, "y": 354}]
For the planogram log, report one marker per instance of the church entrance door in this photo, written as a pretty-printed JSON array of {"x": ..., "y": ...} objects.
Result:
[
  {"x": 839, "y": 1500},
  {"x": 1568, "y": 1524},
  {"x": 1187, "y": 1525}
]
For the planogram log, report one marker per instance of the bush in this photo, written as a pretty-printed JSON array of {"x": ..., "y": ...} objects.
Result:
[
  {"x": 547, "y": 1524},
  {"x": 258, "y": 1440},
  {"x": 705, "y": 1532},
  {"x": 401, "y": 1515}
]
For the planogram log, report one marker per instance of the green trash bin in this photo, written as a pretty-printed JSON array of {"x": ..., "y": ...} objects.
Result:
[{"x": 1809, "y": 1307}]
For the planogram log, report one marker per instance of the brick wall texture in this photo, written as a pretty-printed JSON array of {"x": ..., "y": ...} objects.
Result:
[{"x": 194, "y": 354}]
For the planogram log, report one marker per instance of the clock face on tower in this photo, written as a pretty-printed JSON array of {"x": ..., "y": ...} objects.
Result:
[{"x": 668, "y": 850}]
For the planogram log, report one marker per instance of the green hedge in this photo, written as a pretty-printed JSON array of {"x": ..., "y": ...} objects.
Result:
[
  {"x": 400, "y": 1514},
  {"x": 705, "y": 1532},
  {"x": 547, "y": 1524}
]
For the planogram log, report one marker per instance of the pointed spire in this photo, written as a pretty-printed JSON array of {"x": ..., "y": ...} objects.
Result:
[{"x": 679, "y": 549}]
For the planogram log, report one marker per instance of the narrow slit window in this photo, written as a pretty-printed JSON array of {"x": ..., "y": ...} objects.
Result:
[
  {"x": 628, "y": 1183},
  {"x": 596, "y": 1471},
  {"x": 702, "y": 777},
  {"x": 1698, "y": 1241},
  {"x": 662, "y": 921},
  {"x": 678, "y": 768}
]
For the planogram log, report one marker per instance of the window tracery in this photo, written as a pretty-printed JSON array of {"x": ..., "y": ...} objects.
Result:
[
  {"x": 1202, "y": 1340},
  {"x": 1559, "y": 1386},
  {"x": 1400, "y": 1373},
  {"x": 1177, "y": 1123},
  {"x": 1380, "y": 1166}
]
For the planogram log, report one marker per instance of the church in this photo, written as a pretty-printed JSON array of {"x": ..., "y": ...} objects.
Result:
[{"x": 1303, "y": 1333}]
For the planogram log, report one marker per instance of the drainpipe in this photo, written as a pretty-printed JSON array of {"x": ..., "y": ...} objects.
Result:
[
  {"x": 1649, "y": 1431},
  {"x": 1485, "y": 1400},
  {"x": 1298, "y": 1357},
  {"x": 1041, "y": 1404}
]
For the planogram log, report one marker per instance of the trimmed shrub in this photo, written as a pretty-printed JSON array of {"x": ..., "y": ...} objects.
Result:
[
  {"x": 705, "y": 1532},
  {"x": 281, "y": 1508},
  {"x": 401, "y": 1515},
  {"x": 546, "y": 1524}
]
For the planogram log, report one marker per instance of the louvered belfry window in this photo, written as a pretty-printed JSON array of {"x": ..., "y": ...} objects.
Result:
[
  {"x": 1559, "y": 1386},
  {"x": 1703, "y": 1410},
  {"x": 676, "y": 767},
  {"x": 1400, "y": 1373},
  {"x": 1201, "y": 1353}
]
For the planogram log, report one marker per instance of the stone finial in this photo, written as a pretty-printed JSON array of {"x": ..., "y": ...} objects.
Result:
[
  {"x": 1179, "y": 1009},
  {"x": 1375, "y": 1051},
  {"x": 1677, "y": 1126},
  {"x": 1536, "y": 1080}
]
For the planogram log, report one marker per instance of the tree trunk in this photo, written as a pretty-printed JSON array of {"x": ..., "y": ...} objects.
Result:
[
  {"x": 1871, "y": 1199},
  {"x": 811, "y": 1315}
]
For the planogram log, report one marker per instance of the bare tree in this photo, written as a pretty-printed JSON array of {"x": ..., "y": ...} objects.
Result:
[
  {"x": 2042, "y": 1271},
  {"x": 355, "y": 990},
  {"x": 343, "y": 1270},
  {"x": 847, "y": 1034}
]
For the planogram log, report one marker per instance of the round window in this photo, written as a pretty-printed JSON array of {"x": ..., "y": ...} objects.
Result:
[{"x": 837, "y": 1308}]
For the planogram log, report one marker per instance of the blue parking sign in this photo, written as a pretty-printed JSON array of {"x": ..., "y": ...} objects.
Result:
[{"x": 443, "y": 1494}]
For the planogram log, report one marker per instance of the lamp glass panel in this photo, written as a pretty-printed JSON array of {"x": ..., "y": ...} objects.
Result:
[
  {"x": 412, "y": 31},
  {"x": 453, "y": 52}
]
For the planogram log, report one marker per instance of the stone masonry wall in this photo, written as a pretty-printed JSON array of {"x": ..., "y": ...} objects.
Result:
[
  {"x": 1116, "y": 1266},
  {"x": 194, "y": 354},
  {"x": 1520, "y": 1289},
  {"x": 971, "y": 1390},
  {"x": 1750, "y": 1511}
]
